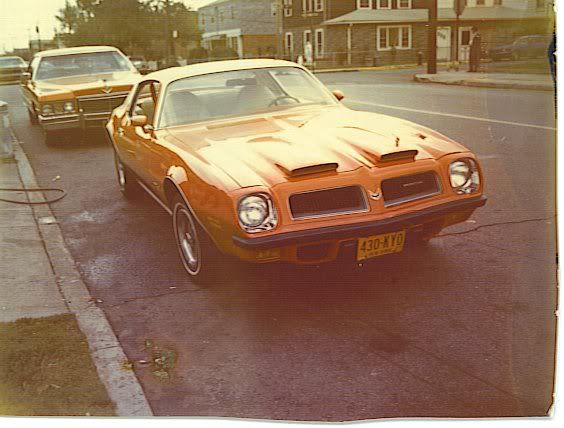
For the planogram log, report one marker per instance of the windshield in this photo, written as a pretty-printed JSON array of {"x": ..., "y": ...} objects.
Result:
[
  {"x": 11, "y": 62},
  {"x": 52, "y": 67},
  {"x": 239, "y": 93}
]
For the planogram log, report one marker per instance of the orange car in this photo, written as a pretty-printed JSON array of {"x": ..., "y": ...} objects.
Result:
[
  {"x": 76, "y": 88},
  {"x": 258, "y": 160}
]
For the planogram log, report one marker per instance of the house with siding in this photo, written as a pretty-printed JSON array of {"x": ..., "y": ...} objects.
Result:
[
  {"x": 376, "y": 32},
  {"x": 246, "y": 26}
]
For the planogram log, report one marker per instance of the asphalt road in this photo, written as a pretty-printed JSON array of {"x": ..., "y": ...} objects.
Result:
[{"x": 463, "y": 328}]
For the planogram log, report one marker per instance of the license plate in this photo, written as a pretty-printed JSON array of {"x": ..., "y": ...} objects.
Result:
[{"x": 378, "y": 245}]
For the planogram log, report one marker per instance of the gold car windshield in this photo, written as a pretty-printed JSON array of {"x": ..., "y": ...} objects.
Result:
[
  {"x": 240, "y": 93},
  {"x": 54, "y": 67}
]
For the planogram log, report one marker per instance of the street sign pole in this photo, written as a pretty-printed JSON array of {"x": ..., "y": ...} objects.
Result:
[{"x": 432, "y": 38}]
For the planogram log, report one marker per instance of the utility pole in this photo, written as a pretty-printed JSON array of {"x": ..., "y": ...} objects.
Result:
[
  {"x": 38, "y": 38},
  {"x": 432, "y": 38}
]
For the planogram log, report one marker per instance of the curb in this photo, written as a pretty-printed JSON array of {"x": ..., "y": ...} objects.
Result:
[
  {"x": 107, "y": 354},
  {"x": 486, "y": 84}
]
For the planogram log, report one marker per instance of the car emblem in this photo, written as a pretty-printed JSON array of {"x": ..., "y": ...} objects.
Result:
[
  {"x": 106, "y": 89},
  {"x": 377, "y": 195}
]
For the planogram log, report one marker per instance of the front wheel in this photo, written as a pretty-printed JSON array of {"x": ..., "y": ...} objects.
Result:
[{"x": 200, "y": 258}]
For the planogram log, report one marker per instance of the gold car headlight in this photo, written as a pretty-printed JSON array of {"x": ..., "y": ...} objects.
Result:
[
  {"x": 47, "y": 109},
  {"x": 464, "y": 176},
  {"x": 68, "y": 107},
  {"x": 256, "y": 213}
]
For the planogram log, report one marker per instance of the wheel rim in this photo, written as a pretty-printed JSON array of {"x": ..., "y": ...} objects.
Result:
[{"x": 187, "y": 240}]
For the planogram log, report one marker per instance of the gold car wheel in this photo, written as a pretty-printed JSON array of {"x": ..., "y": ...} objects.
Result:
[{"x": 187, "y": 239}]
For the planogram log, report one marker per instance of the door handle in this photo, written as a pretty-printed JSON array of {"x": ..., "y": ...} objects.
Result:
[{"x": 120, "y": 131}]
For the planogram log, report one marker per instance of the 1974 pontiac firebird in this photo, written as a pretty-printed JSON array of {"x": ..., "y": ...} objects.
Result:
[{"x": 257, "y": 159}]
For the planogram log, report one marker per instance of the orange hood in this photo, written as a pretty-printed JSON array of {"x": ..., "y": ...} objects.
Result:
[
  {"x": 92, "y": 84},
  {"x": 270, "y": 150}
]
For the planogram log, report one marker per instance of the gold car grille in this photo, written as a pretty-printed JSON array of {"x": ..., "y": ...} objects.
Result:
[
  {"x": 407, "y": 188},
  {"x": 101, "y": 103},
  {"x": 328, "y": 202}
]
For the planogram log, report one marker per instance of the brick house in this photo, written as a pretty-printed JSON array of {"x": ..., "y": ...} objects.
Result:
[
  {"x": 376, "y": 32},
  {"x": 246, "y": 26}
]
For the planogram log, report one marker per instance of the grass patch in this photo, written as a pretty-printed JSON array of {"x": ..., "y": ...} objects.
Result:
[{"x": 46, "y": 370}]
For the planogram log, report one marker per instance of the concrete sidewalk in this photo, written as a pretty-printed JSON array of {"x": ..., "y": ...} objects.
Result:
[
  {"x": 537, "y": 82},
  {"x": 38, "y": 278}
]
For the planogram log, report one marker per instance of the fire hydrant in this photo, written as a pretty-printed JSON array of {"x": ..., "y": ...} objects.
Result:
[{"x": 6, "y": 149}]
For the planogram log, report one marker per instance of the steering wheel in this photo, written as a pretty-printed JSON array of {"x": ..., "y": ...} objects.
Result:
[{"x": 275, "y": 101}]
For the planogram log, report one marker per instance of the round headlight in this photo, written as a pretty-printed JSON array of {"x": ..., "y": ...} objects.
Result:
[
  {"x": 68, "y": 107},
  {"x": 47, "y": 109},
  {"x": 460, "y": 173},
  {"x": 253, "y": 210}
]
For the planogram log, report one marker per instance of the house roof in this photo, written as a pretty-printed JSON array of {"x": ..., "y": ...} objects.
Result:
[{"x": 376, "y": 16}]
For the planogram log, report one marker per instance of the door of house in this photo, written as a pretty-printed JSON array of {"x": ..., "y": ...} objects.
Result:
[
  {"x": 464, "y": 43},
  {"x": 443, "y": 44}
]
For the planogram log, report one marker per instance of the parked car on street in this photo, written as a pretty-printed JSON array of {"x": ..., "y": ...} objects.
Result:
[
  {"x": 140, "y": 64},
  {"x": 11, "y": 68},
  {"x": 523, "y": 47},
  {"x": 258, "y": 160},
  {"x": 76, "y": 88}
]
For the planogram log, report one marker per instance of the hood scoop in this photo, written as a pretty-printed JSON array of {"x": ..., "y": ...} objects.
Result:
[
  {"x": 308, "y": 170},
  {"x": 397, "y": 156}
]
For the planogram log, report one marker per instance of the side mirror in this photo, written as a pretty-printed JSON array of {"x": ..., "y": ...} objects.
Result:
[
  {"x": 139, "y": 120},
  {"x": 338, "y": 94},
  {"x": 25, "y": 77}
]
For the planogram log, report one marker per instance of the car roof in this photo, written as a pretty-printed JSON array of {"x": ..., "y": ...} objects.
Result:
[
  {"x": 76, "y": 50},
  {"x": 175, "y": 73}
]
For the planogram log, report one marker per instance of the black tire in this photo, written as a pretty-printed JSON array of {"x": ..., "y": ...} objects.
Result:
[
  {"x": 127, "y": 183},
  {"x": 32, "y": 117},
  {"x": 199, "y": 255}
]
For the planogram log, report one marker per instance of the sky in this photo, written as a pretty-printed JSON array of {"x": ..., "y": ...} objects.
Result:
[{"x": 18, "y": 19}]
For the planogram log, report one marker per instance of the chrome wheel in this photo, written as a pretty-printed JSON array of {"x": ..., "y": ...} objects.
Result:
[{"x": 187, "y": 239}]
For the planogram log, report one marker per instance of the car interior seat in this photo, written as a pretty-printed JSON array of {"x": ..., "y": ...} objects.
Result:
[
  {"x": 253, "y": 98},
  {"x": 184, "y": 107}
]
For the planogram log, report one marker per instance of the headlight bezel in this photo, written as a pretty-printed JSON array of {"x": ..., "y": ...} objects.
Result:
[
  {"x": 471, "y": 179},
  {"x": 72, "y": 107},
  {"x": 270, "y": 219},
  {"x": 51, "y": 108}
]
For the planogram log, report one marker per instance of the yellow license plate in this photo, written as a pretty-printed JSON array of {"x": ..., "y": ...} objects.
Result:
[{"x": 378, "y": 245}]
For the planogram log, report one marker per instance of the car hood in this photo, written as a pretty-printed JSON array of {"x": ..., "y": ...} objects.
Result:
[
  {"x": 269, "y": 150},
  {"x": 92, "y": 84}
]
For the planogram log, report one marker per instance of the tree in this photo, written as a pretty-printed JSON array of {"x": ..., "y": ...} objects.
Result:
[{"x": 131, "y": 25}]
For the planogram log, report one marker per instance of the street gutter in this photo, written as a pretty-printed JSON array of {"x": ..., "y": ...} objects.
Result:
[{"x": 108, "y": 356}]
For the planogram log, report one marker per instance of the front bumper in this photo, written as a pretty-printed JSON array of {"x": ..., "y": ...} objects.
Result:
[
  {"x": 73, "y": 121},
  {"x": 442, "y": 215}
]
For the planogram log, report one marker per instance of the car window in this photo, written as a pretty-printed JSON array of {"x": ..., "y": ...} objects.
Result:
[
  {"x": 52, "y": 67},
  {"x": 145, "y": 100},
  {"x": 11, "y": 62},
  {"x": 241, "y": 92}
]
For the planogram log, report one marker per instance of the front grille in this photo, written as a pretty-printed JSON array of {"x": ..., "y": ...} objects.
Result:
[
  {"x": 319, "y": 203},
  {"x": 101, "y": 104},
  {"x": 409, "y": 188}
]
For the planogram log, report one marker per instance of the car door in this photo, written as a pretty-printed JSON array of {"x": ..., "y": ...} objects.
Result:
[
  {"x": 151, "y": 167},
  {"x": 128, "y": 136}
]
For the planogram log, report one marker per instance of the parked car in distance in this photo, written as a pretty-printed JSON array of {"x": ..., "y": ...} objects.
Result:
[
  {"x": 523, "y": 47},
  {"x": 76, "y": 88},
  {"x": 140, "y": 64},
  {"x": 11, "y": 68},
  {"x": 258, "y": 160}
]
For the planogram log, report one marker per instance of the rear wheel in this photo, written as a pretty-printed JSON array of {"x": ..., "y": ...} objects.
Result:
[
  {"x": 199, "y": 256},
  {"x": 126, "y": 181}
]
